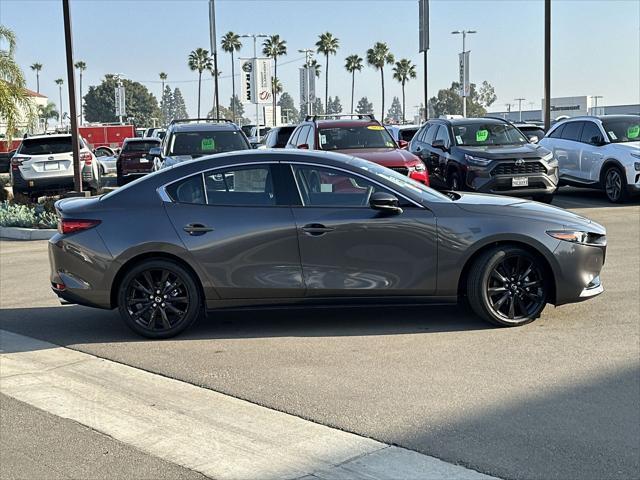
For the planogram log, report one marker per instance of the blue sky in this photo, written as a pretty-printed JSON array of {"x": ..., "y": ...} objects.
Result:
[{"x": 596, "y": 44}]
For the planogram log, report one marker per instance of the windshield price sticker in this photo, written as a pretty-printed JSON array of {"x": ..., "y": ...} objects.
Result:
[
  {"x": 459, "y": 139},
  {"x": 323, "y": 139},
  {"x": 612, "y": 135},
  {"x": 633, "y": 131},
  {"x": 375, "y": 127},
  {"x": 482, "y": 135},
  {"x": 207, "y": 144}
]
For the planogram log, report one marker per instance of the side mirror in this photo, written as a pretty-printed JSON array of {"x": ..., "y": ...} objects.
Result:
[
  {"x": 597, "y": 141},
  {"x": 440, "y": 145},
  {"x": 303, "y": 146},
  {"x": 155, "y": 152},
  {"x": 384, "y": 202},
  {"x": 403, "y": 144},
  {"x": 534, "y": 139},
  {"x": 254, "y": 145}
]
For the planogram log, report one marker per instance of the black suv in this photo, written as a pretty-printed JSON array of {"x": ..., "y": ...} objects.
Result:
[
  {"x": 485, "y": 155},
  {"x": 190, "y": 138}
]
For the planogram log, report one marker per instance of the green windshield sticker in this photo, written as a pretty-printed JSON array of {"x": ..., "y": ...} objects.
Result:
[
  {"x": 207, "y": 144},
  {"x": 633, "y": 131},
  {"x": 482, "y": 135}
]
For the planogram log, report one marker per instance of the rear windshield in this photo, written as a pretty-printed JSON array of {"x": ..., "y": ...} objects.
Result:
[
  {"x": 407, "y": 134},
  {"x": 283, "y": 136},
  {"x": 359, "y": 136},
  {"x": 206, "y": 143},
  {"x": 139, "y": 146},
  {"x": 46, "y": 146}
]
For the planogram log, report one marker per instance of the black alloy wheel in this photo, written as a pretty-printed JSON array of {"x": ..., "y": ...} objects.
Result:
[{"x": 615, "y": 185}]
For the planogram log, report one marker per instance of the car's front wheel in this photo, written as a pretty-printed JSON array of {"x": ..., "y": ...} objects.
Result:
[
  {"x": 159, "y": 298},
  {"x": 615, "y": 185},
  {"x": 508, "y": 286}
]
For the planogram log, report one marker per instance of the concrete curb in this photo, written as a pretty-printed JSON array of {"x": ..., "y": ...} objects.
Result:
[{"x": 19, "y": 233}]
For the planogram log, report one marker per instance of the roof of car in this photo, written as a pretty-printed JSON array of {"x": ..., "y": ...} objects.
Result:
[
  {"x": 54, "y": 135},
  {"x": 142, "y": 139},
  {"x": 348, "y": 122},
  {"x": 204, "y": 127},
  {"x": 458, "y": 121},
  {"x": 403, "y": 127}
]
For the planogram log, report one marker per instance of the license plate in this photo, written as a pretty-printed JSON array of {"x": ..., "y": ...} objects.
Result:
[
  {"x": 520, "y": 182},
  {"x": 52, "y": 166},
  {"x": 144, "y": 160}
]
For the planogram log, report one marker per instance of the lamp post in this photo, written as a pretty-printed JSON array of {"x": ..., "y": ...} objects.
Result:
[
  {"x": 464, "y": 34},
  {"x": 519, "y": 100},
  {"x": 255, "y": 36},
  {"x": 308, "y": 55},
  {"x": 214, "y": 52}
]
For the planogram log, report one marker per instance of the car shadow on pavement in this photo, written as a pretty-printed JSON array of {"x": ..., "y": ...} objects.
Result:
[
  {"x": 572, "y": 197},
  {"x": 69, "y": 325}
]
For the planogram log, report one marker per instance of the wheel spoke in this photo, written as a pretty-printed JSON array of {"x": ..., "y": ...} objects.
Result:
[
  {"x": 163, "y": 278},
  {"x": 165, "y": 320},
  {"x": 534, "y": 283},
  {"x": 496, "y": 274},
  {"x": 500, "y": 301},
  {"x": 149, "y": 280},
  {"x": 138, "y": 286},
  {"x": 176, "y": 284},
  {"x": 173, "y": 309},
  {"x": 494, "y": 290},
  {"x": 178, "y": 299},
  {"x": 526, "y": 272},
  {"x": 144, "y": 301},
  {"x": 512, "y": 304}
]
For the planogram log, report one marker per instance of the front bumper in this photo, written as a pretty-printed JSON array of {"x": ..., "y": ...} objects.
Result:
[
  {"x": 578, "y": 278},
  {"x": 538, "y": 184}
]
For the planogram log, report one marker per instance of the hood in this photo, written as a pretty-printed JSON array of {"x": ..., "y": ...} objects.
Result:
[
  {"x": 517, "y": 207},
  {"x": 387, "y": 157},
  {"x": 626, "y": 146},
  {"x": 497, "y": 152}
]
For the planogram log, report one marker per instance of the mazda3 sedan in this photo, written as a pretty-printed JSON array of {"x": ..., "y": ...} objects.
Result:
[{"x": 257, "y": 228}]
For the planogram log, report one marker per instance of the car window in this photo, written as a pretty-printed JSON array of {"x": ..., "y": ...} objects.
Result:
[
  {"x": 282, "y": 136},
  {"x": 206, "y": 142},
  {"x": 407, "y": 134},
  {"x": 302, "y": 138},
  {"x": 326, "y": 187},
  {"x": 443, "y": 135},
  {"x": 189, "y": 190},
  {"x": 428, "y": 139},
  {"x": 240, "y": 186},
  {"x": 310, "y": 138},
  {"x": 572, "y": 131},
  {"x": 622, "y": 129},
  {"x": 422, "y": 134},
  {"x": 486, "y": 132},
  {"x": 294, "y": 136},
  {"x": 139, "y": 146},
  {"x": 46, "y": 146},
  {"x": 557, "y": 133},
  {"x": 590, "y": 133},
  {"x": 356, "y": 136}
]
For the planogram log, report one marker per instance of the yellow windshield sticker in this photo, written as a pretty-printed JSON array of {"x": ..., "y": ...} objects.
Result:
[
  {"x": 375, "y": 127},
  {"x": 633, "y": 131},
  {"x": 207, "y": 144},
  {"x": 482, "y": 135}
]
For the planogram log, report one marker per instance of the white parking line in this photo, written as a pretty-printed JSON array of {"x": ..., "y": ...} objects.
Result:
[{"x": 218, "y": 435}]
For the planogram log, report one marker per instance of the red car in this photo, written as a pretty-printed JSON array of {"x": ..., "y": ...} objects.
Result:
[
  {"x": 134, "y": 160},
  {"x": 361, "y": 136}
]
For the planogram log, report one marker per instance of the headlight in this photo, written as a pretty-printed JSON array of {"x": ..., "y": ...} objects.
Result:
[
  {"x": 548, "y": 157},
  {"x": 573, "y": 236},
  {"x": 482, "y": 162}
]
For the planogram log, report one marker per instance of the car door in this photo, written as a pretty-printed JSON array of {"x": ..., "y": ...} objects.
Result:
[
  {"x": 591, "y": 156},
  {"x": 417, "y": 144},
  {"x": 348, "y": 249},
  {"x": 236, "y": 227},
  {"x": 571, "y": 148}
]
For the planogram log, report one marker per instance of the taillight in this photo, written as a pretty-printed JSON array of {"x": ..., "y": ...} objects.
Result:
[
  {"x": 16, "y": 162},
  {"x": 86, "y": 158},
  {"x": 72, "y": 226}
]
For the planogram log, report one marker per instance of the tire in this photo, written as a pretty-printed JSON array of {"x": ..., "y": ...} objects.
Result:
[
  {"x": 518, "y": 300},
  {"x": 546, "y": 198},
  {"x": 615, "y": 185},
  {"x": 160, "y": 316},
  {"x": 453, "y": 181}
]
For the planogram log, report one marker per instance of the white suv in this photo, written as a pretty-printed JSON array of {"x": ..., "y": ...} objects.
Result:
[
  {"x": 44, "y": 163},
  {"x": 598, "y": 152}
]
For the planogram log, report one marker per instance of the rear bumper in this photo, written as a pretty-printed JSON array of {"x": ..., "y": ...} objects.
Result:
[{"x": 43, "y": 183}]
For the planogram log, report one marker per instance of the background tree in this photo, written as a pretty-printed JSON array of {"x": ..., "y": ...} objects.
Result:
[
  {"x": 334, "y": 105},
  {"x": 231, "y": 43},
  {"x": 327, "y": 45},
  {"x": 364, "y": 106},
  {"x": 449, "y": 102},
  {"x": 287, "y": 107},
  {"x": 14, "y": 102},
  {"x": 166, "y": 105},
  {"x": 486, "y": 94},
  {"x": 353, "y": 64},
  {"x": 47, "y": 113},
  {"x": 403, "y": 71},
  {"x": 237, "y": 107},
  {"x": 395, "y": 113},
  {"x": 377, "y": 57},
  {"x": 100, "y": 102},
  {"x": 274, "y": 47},
  {"x": 59, "y": 82},
  {"x": 37, "y": 67},
  {"x": 81, "y": 67},
  {"x": 179, "y": 107},
  {"x": 199, "y": 61},
  {"x": 317, "y": 107}
]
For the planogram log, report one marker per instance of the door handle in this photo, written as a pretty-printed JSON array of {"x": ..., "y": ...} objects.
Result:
[
  {"x": 316, "y": 229},
  {"x": 196, "y": 229}
]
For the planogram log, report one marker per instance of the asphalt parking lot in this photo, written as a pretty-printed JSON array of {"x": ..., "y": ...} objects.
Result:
[{"x": 555, "y": 399}]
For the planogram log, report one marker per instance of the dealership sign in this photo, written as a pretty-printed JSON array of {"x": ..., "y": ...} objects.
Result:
[
  {"x": 255, "y": 80},
  {"x": 120, "y": 102},
  {"x": 465, "y": 88}
]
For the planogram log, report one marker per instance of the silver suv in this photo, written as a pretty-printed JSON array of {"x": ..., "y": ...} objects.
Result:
[{"x": 44, "y": 163}]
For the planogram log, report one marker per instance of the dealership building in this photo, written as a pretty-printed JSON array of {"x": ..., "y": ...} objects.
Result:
[{"x": 569, "y": 107}]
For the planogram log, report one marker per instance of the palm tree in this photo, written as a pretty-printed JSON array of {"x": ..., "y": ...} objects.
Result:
[
  {"x": 231, "y": 43},
  {"x": 81, "y": 66},
  {"x": 48, "y": 112},
  {"x": 274, "y": 47},
  {"x": 59, "y": 82},
  {"x": 353, "y": 64},
  {"x": 404, "y": 71},
  {"x": 36, "y": 67},
  {"x": 327, "y": 44},
  {"x": 163, "y": 77},
  {"x": 377, "y": 57},
  {"x": 199, "y": 60}
]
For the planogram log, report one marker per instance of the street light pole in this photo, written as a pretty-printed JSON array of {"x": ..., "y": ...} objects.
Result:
[
  {"x": 464, "y": 66},
  {"x": 75, "y": 144},
  {"x": 308, "y": 53},
  {"x": 547, "y": 64},
  {"x": 255, "y": 83},
  {"x": 519, "y": 100},
  {"x": 214, "y": 52}
]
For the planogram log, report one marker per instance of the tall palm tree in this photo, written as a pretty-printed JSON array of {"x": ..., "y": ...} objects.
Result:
[
  {"x": 36, "y": 67},
  {"x": 81, "y": 66},
  {"x": 377, "y": 57},
  {"x": 59, "y": 82},
  {"x": 231, "y": 43},
  {"x": 274, "y": 47},
  {"x": 199, "y": 61},
  {"x": 14, "y": 102},
  {"x": 326, "y": 45},
  {"x": 48, "y": 112},
  {"x": 404, "y": 71},
  {"x": 353, "y": 64}
]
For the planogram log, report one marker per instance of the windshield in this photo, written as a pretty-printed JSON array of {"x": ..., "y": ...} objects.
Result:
[
  {"x": 479, "y": 134},
  {"x": 620, "y": 130},
  {"x": 139, "y": 146},
  {"x": 403, "y": 182},
  {"x": 46, "y": 146},
  {"x": 206, "y": 143},
  {"x": 359, "y": 136}
]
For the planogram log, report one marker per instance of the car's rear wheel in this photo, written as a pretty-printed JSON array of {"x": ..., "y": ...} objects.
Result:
[
  {"x": 508, "y": 286},
  {"x": 453, "y": 181},
  {"x": 615, "y": 185},
  {"x": 159, "y": 298}
]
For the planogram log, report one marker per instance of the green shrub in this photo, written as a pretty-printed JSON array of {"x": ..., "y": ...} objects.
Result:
[
  {"x": 5, "y": 180},
  {"x": 14, "y": 215}
]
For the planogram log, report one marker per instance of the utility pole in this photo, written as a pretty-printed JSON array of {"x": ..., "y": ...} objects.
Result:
[
  {"x": 75, "y": 144},
  {"x": 423, "y": 33},
  {"x": 214, "y": 51},
  {"x": 255, "y": 56},
  {"x": 519, "y": 100},
  {"x": 547, "y": 64},
  {"x": 308, "y": 55},
  {"x": 465, "y": 67}
]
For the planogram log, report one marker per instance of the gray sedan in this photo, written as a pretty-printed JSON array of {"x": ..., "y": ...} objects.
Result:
[{"x": 288, "y": 227}]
